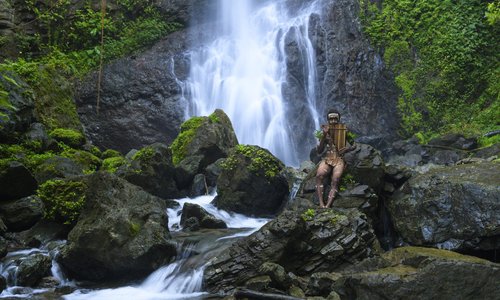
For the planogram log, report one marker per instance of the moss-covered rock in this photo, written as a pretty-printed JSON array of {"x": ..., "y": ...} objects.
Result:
[
  {"x": 112, "y": 164},
  {"x": 252, "y": 182},
  {"x": 201, "y": 142},
  {"x": 109, "y": 153},
  {"x": 63, "y": 199},
  {"x": 70, "y": 137}
]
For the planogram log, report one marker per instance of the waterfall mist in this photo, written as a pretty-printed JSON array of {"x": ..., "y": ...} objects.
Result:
[{"x": 243, "y": 70}]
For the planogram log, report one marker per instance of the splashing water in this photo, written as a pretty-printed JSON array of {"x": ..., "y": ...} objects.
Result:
[{"x": 243, "y": 71}]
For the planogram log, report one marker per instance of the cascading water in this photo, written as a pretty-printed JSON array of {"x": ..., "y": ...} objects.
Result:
[{"x": 242, "y": 71}]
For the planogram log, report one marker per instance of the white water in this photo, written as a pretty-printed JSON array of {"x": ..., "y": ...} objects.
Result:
[
  {"x": 243, "y": 69},
  {"x": 181, "y": 279}
]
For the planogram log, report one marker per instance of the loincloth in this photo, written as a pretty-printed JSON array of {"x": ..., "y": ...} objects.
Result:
[{"x": 333, "y": 160}]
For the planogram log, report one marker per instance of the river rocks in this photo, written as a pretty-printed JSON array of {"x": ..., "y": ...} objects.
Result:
[
  {"x": 251, "y": 182},
  {"x": 151, "y": 168},
  {"x": 455, "y": 207},
  {"x": 33, "y": 268},
  {"x": 141, "y": 101},
  {"x": 204, "y": 218},
  {"x": 21, "y": 214},
  {"x": 428, "y": 273},
  {"x": 201, "y": 142},
  {"x": 121, "y": 233},
  {"x": 301, "y": 242},
  {"x": 16, "y": 181}
]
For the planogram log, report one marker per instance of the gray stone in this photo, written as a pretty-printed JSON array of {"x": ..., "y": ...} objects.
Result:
[
  {"x": 456, "y": 207},
  {"x": 57, "y": 167},
  {"x": 32, "y": 269},
  {"x": 16, "y": 181},
  {"x": 205, "y": 219}
]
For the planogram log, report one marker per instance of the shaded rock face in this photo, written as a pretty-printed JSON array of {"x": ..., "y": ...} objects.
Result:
[
  {"x": 351, "y": 77},
  {"x": 32, "y": 269},
  {"x": 300, "y": 242},
  {"x": 152, "y": 169},
  {"x": 121, "y": 233},
  {"x": 455, "y": 208},
  {"x": 252, "y": 183},
  {"x": 57, "y": 167},
  {"x": 366, "y": 165},
  {"x": 16, "y": 181},
  {"x": 141, "y": 102},
  {"x": 428, "y": 273},
  {"x": 19, "y": 118},
  {"x": 21, "y": 214}
]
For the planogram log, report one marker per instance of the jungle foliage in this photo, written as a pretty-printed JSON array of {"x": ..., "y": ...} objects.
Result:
[{"x": 445, "y": 58}]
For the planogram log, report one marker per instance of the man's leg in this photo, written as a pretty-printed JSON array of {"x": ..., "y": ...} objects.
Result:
[
  {"x": 321, "y": 173},
  {"x": 336, "y": 174}
]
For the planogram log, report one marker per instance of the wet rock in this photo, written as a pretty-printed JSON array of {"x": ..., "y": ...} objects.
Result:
[
  {"x": 151, "y": 168},
  {"x": 320, "y": 284},
  {"x": 428, "y": 273},
  {"x": 21, "y": 214},
  {"x": 205, "y": 219},
  {"x": 121, "y": 232},
  {"x": 16, "y": 181},
  {"x": 302, "y": 243},
  {"x": 38, "y": 135},
  {"x": 252, "y": 183},
  {"x": 3, "y": 247},
  {"x": 41, "y": 233},
  {"x": 32, "y": 269},
  {"x": 3, "y": 283},
  {"x": 456, "y": 207},
  {"x": 454, "y": 140},
  {"x": 199, "y": 186},
  {"x": 491, "y": 151}
]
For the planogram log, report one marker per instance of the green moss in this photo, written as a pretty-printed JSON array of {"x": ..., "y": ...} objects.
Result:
[
  {"x": 261, "y": 160},
  {"x": 489, "y": 141},
  {"x": 135, "y": 228},
  {"x": 113, "y": 163},
  {"x": 87, "y": 160},
  {"x": 402, "y": 254},
  {"x": 96, "y": 151},
  {"x": 34, "y": 160},
  {"x": 68, "y": 136},
  {"x": 346, "y": 181},
  {"x": 308, "y": 215},
  {"x": 214, "y": 118},
  {"x": 63, "y": 200},
  {"x": 144, "y": 155},
  {"x": 108, "y": 153},
  {"x": 180, "y": 145}
]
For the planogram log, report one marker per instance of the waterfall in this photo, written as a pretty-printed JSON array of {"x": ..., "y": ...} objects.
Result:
[{"x": 243, "y": 70}]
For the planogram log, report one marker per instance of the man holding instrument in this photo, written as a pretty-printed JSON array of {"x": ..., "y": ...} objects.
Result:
[{"x": 332, "y": 146}]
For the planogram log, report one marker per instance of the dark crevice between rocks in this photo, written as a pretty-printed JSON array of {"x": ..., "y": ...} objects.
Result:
[{"x": 492, "y": 255}]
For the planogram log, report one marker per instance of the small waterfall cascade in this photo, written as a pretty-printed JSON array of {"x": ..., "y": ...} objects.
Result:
[
  {"x": 243, "y": 69},
  {"x": 182, "y": 279}
]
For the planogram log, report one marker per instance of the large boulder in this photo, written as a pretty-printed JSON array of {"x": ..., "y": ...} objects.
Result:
[
  {"x": 201, "y": 142},
  {"x": 151, "y": 168},
  {"x": 429, "y": 273},
  {"x": 21, "y": 214},
  {"x": 302, "y": 243},
  {"x": 57, "y": 167},
  {"x": 122, "y": 232},
  {"x": 252, "y": 182},
  {"x": 366, "y": 165},
  {"x": 455, "y": 207},
  {"x": 16, "y": 181}
]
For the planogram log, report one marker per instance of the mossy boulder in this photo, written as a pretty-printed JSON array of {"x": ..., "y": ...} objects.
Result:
[
  {"x": 70, "y": 137},
  {"x": 151, "y": 168},
  {"x": 428, "y": 273},
  {"x": 55, "y": 167},
  {"x": 122, "y": 232},
  {"x": 32, "y": 269},
  {"x": 252, "y": 182},
  {"x": 201, "y": 142},
  {"x": 63, "y": 199},
  {"x": 301, "y": 242},
  {"x": 455, "y": 207}
]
